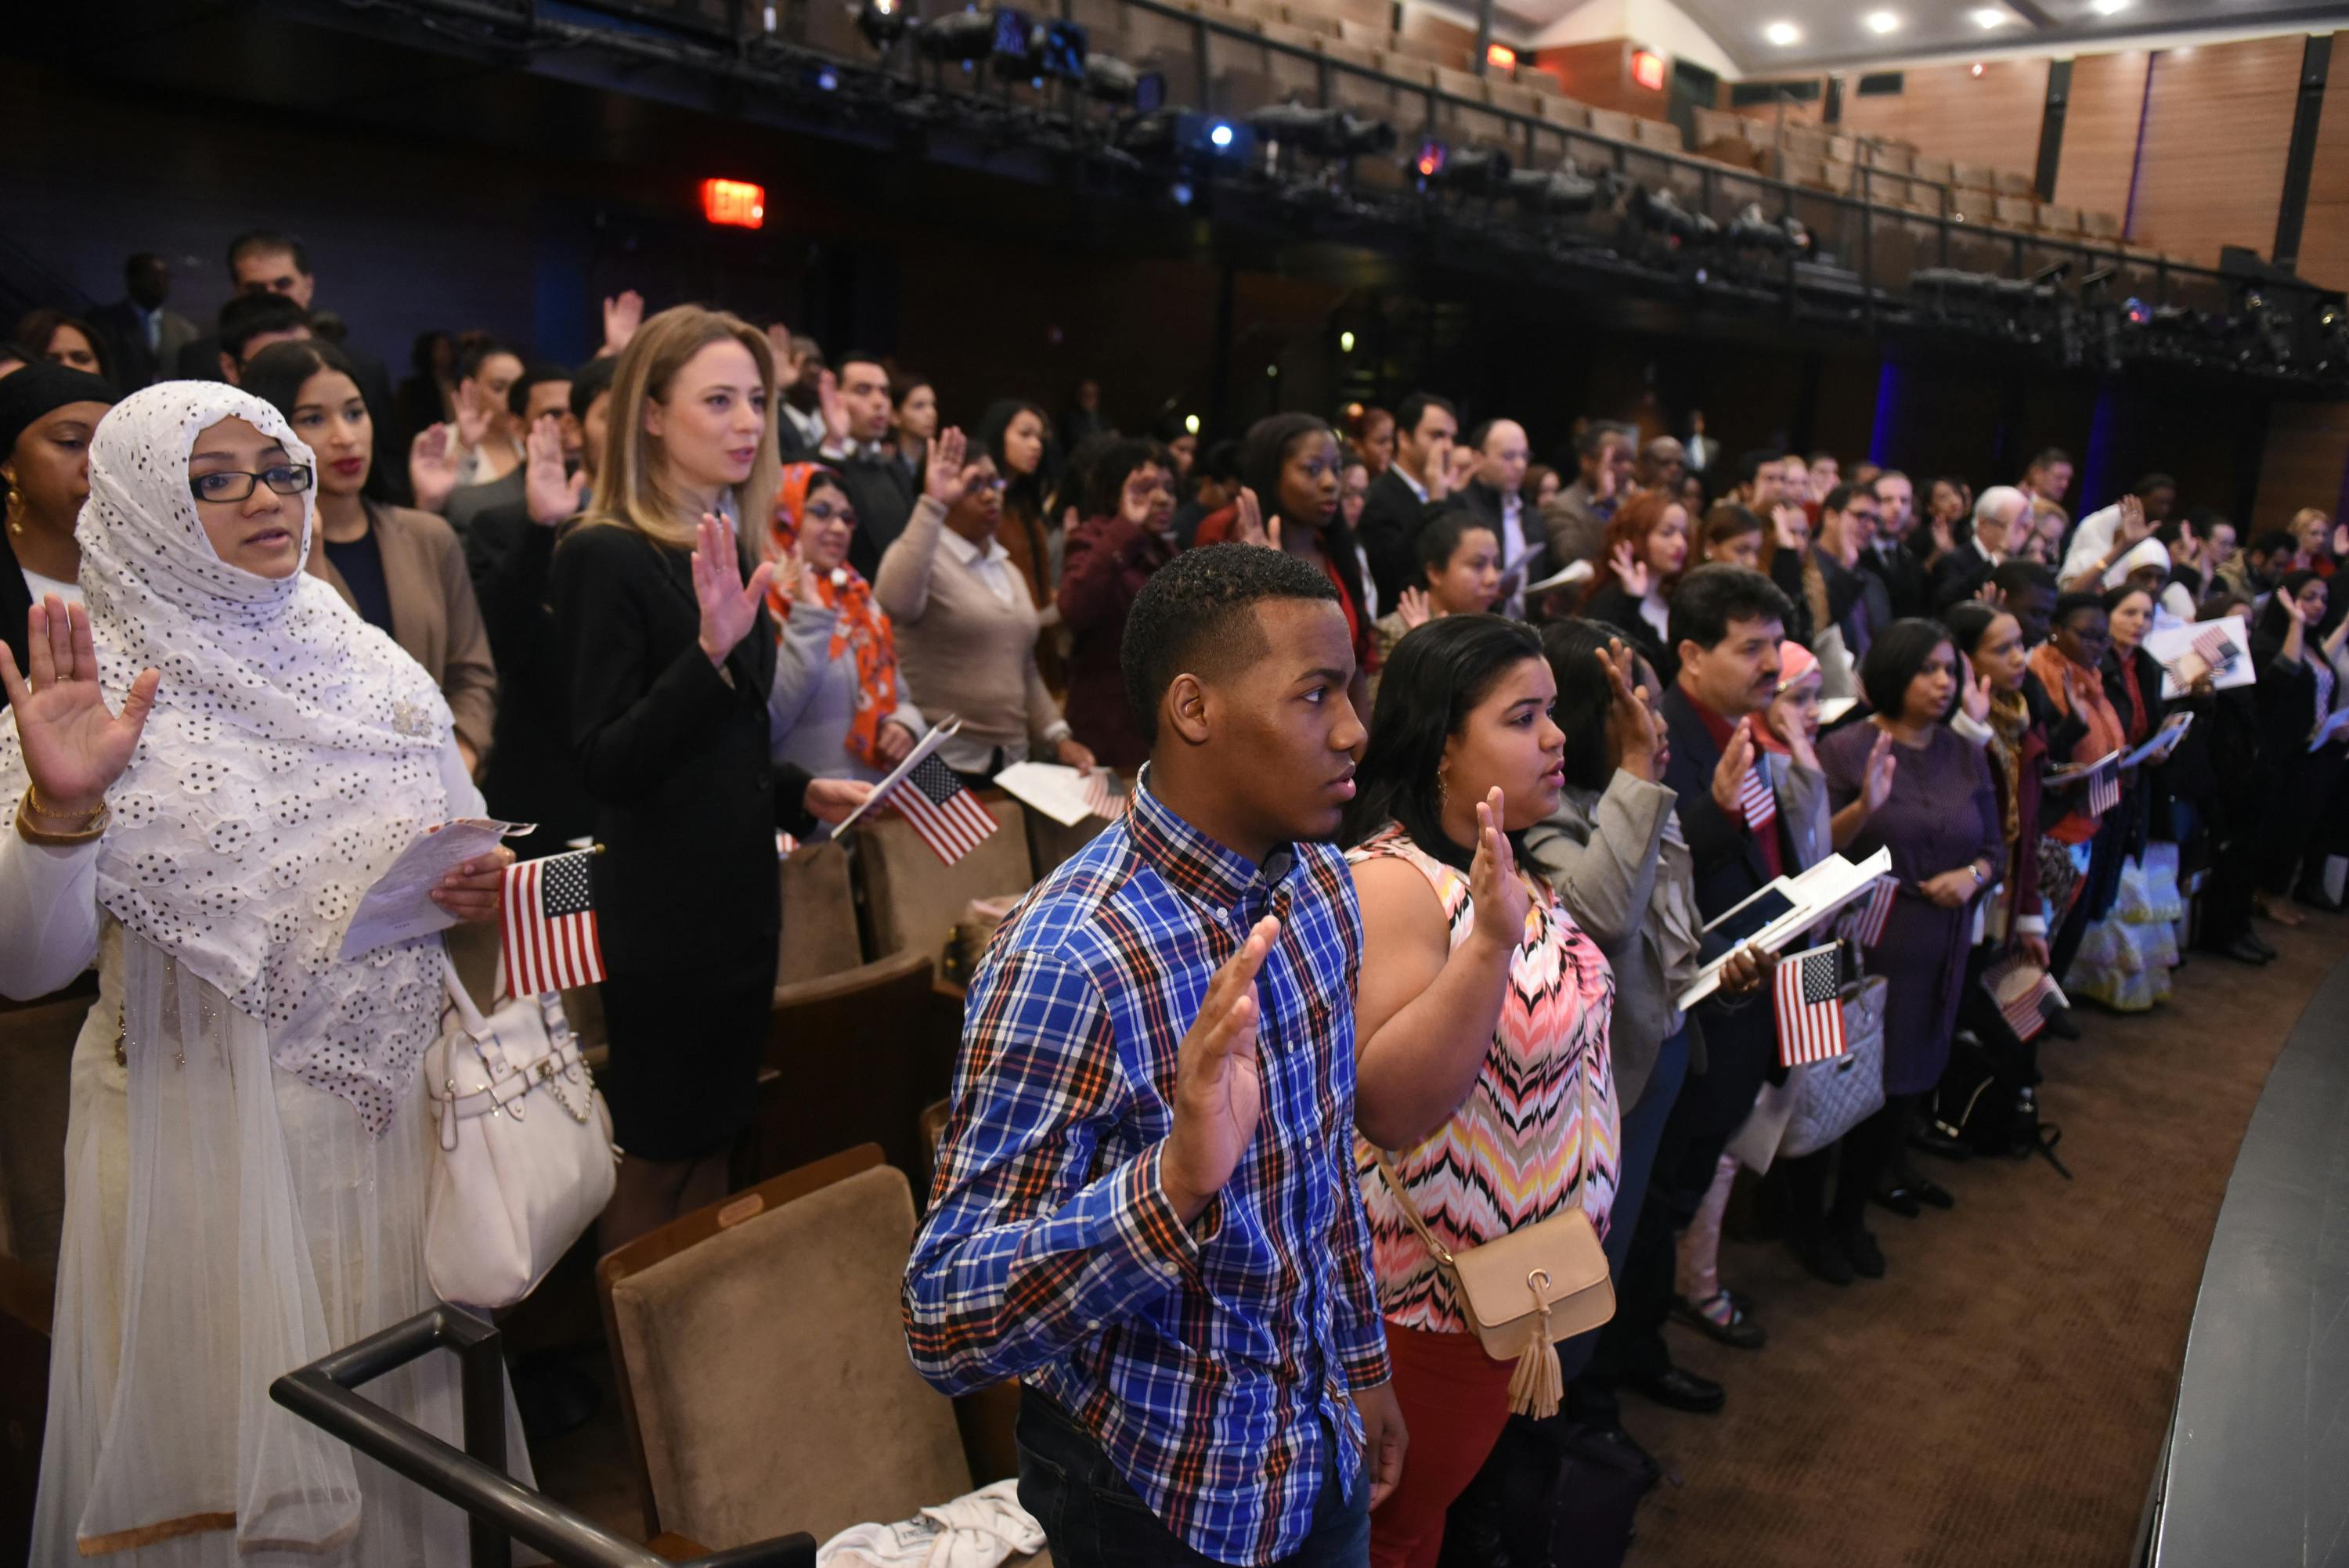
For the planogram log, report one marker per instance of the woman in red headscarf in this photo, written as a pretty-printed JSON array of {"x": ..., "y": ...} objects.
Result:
[{"x": 839, "y": 708}]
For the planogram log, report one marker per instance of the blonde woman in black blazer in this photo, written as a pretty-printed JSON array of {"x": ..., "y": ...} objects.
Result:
[{"x": 670, "y": 655}]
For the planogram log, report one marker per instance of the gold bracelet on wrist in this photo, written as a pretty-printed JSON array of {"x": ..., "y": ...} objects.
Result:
[
  {"x": 32, "y": 803},
  {"x": 32, "y": 832}
]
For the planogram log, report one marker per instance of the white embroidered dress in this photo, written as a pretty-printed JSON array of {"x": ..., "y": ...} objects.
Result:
[{"x": 245, "y": 1189}]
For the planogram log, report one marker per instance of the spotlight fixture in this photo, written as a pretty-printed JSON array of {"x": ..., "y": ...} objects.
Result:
[
  {"x": 1785, "y": 34},
  {"x": 1751, "y": 229},
  {"x": 883, "y": 22},
  {"x": 1180, "y": 136},
  {"x": 1662, "y": 210},
  {"x": 1557, "y": 192},
  {"x": 2108, "y": 7},
  {"x": 1327, "y": 132},
  {"x": 1880, "y": 21},
  {"x": 956, "y": 36},
  {"x": 1464, "y": 171},
  {"x": 1990, "y": 17}
]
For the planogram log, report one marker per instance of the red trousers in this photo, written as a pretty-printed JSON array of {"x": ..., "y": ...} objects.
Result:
[{"x": 1455, "y": 1400}]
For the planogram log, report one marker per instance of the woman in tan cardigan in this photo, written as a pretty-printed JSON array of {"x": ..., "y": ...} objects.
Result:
[
  {"x": 966, "y": 623},
  {"x": 401, "y": 569}
]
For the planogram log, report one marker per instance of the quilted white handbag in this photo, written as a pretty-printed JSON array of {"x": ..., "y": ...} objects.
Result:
[{"x": 526, "y": 1157}]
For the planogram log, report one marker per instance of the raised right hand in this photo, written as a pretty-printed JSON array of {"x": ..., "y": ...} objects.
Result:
[
  {"x": 729, "y": 607},
  {"x": 74, "y": 748},
  {"x": 473, "y": 417},
  {"x": 943, "y": 479},
  {"x": 551, "y": 495},
  {"x": 1218, "y": 1082},
  {"x": 2132, "y": 528},
  {"x": 1247, "y": 520},
  {"x": 1728, "y": 773},
  {"x": 1632, "y": 729},
  {"x": 432, "y": 467},
  {"x": 1411, "y": 606},
  {"x": 1875, "y": 783},
  {"x": 835, "y": 412},
  {"x": 1498, "y": 893},
  {"x": 1632, "y": 572}
]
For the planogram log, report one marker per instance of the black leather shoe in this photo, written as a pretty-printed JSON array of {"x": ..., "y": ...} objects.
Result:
[
  {"x": 2060, "y": 1025},
  {"x": 1931, "y": 1193},
  {"x": 1740, "y": 1333},
  {"x": 1613, "y": 1446},
  {"x": 1826, "y": 1260},
  {"x": 2259, "y": 944},
  {"x": 1681, "y": 1389},
  {"x": 1858, "y": 1244},
  {"x": 2243, "y": 951},
  {"x": 1900, "y": 1197}
]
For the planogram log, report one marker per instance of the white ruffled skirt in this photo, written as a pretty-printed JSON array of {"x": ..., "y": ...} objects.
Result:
[{"x": 225, "y": 1222}]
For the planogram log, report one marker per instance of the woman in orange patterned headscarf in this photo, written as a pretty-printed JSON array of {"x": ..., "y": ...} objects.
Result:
[{"x": 839, "y": 706}]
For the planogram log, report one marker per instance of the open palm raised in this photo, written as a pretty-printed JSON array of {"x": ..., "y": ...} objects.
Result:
[{"x": 75, "y": 747}]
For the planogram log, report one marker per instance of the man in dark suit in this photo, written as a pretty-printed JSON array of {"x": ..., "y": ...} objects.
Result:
[
  {"x": 1402, "y": 499},
  {"x": 263, "y": 261},
  {"x": 856, "y": 443},
  {"x": 1726, "y": 622},
  {"x": 1495, "y": 496},
  {"x": 800, "y": 371},
  {"x": 1888, "y": 557},
  {"x": 510, "y": 554},
  {"x": 1999, "y": 517},
  {"x": 144, "y": 333}
]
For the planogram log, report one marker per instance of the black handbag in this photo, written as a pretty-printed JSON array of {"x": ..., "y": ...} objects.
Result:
[{"x": 1546, "y": 1499}]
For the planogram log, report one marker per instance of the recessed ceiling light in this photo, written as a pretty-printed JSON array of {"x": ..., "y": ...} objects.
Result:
[
  {"x": 1880, "y": 21},
  {"x": 1783, "y": 33},
  {"x": 2108, "y": 7},
  {"x": 1991, "y": 17}
]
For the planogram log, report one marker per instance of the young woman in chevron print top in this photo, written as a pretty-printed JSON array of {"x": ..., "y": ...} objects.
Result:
[{"x": 1482, "y": 1019}]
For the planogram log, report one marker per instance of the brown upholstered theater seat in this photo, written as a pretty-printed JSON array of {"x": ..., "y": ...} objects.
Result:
[
  {"x": 912, "y": 900},
  {"x": 761, "y": 1362}
]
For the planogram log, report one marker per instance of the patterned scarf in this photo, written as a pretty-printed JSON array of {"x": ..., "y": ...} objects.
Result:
[
  {"x": 2009, "y": 718},
  {"x": 2105, "y": 732},
  {"x": 858, "y": 625}
]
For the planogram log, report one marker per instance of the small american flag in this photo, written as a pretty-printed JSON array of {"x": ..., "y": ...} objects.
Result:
[
  {"x": 2214, "y": 648},
  {"x": 1810, "y": 1012},
  {"x": 1102, "y": 797},
  {"x": 550, "y": 925},
  {"x": 948, "y": 817},
  {"x": 1760, "y": 805},
  {"x": 1864, "y": 922},
  {"x": 786, "y": 846},
  {"x": 2021, "y": 990},
  {"x": 2104, "y": 791}
]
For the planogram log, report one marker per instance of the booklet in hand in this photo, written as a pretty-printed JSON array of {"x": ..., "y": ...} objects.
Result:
[
  {"x": 399, "y": 905},
  {"x": 1782, "y": 911}
]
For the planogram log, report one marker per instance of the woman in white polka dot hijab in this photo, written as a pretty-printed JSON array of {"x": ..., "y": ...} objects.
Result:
[{"x": 207, "y": 772}]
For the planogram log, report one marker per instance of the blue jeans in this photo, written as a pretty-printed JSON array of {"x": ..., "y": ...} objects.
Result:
[{"x": 1092, "y": 1519}]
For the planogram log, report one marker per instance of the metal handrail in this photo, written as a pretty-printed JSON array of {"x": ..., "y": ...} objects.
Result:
[{"x": 474, "y": 1478}]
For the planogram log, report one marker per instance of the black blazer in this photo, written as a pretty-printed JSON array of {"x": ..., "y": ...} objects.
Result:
[
  {"x": 883, "y": 493},
  {"x": 674, "y": 755},
  {"x": 1903, "y": 576},
  {"x": 531, "y": 776},
  {"x": 1958, "y": 576},
  {"x": 16, "y": 603},
  {"x": 1392, "y": 515}
]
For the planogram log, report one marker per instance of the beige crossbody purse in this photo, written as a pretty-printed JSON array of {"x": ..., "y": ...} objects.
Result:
[{"x": 1525, "y": 1292}]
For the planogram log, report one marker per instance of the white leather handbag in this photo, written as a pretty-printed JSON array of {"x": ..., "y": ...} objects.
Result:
[{"x": 526, "y": 1157}]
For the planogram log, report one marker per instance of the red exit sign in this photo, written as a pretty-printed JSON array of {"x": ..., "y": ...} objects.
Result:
[{"x": 735, "y": 204}]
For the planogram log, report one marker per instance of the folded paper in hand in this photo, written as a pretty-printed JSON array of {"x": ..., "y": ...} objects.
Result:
[
  {"x": 399, "y": 905},
  {"x": 1574, "y": 572},
  {"x": 1060, "y": 793}
]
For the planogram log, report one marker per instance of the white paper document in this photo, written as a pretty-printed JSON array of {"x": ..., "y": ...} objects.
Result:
[
  {"x": 1793, "y": 905},
  {"x": 1057, "y": 791},
  {"x": 399, "y": 905},
  {"x": 2161, "y": 742},
  {"x": 1574, "y": 572}
]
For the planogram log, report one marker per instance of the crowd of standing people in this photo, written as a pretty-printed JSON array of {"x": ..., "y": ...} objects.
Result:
[{"x": 1444, "y": 760}]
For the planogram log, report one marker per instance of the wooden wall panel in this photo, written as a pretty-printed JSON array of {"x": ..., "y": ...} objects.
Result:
[
  {"x": 2218, "y": 123},
  {"x": 1600, "y": 74},
  {"x": 1947, "y": 111},
  {"x": 2100, "y": 129},
  {"x": 2306, "y": 459},
  {"x": 2324, "y": 238}
]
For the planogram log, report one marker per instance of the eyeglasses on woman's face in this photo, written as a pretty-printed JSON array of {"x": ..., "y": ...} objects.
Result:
[
  {"x": 830, "y": 511},
  {"x": 229, "y": 484}
]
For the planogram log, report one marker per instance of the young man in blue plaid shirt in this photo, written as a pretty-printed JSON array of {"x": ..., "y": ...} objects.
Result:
[{"x": 1146, "y": 1205}]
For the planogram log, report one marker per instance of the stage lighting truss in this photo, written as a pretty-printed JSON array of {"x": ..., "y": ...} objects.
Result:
[{"x": 1331, "y": 133}]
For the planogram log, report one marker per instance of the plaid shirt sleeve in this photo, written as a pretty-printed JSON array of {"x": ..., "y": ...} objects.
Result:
[
  {"x": 1361, "y": 1332},
  {"x": 1021, "y": 1257}
]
